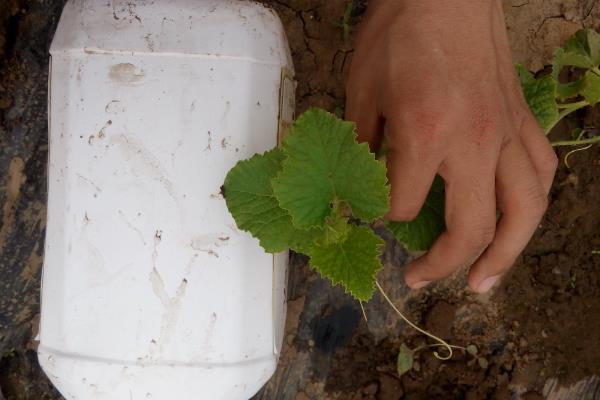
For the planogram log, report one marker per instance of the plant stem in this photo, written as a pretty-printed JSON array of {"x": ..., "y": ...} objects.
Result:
[
  {"x": 363, "y": 311},
  {"x": 438, "y": 345},
  {"x": 574, "y": 106},
  {"x": 441, "y": 342},
  {"x": 595, "y": 70},
  {"x": 576, "y": 142},
  {"x": 566, "y": 110}
]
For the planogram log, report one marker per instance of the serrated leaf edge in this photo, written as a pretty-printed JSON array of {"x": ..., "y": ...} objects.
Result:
[
  {"x": 266, "y": 248},
  {"x": 380, "y": 247},
  {"x": 381, "y": 165}
]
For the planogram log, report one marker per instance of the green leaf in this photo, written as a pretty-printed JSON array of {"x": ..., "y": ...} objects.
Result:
[
  {"x": 591, "y": 88},
  {"x": 564, "y": 58},
  {"x": 582, "y": 50},
  {"x": 585, "y": 43},
  {"x": 566, "y": 91},
  {"x": 594, "y": 45},
  {"x": 472, "y": 350},
  {"x": 346, "y": 19},
  {"x": 483, "y": 363},
  {"x": 588, "y": 86},
  {"x": 525, "y": 77},
  {"x": 540, "y": 95},
  {"x": 336, "y": 229},
  {"x": 405, "y": 359},
  {"x": 576, "y": 133},
  {"x": 250, "y": 200},
  {"x": 561, "y": 59},
  {"x": 352, "y": 262},
  {"x": 420, "y": 233},
  {"x": 324, "y": 164},
  {"x": 575, "y": 53}
]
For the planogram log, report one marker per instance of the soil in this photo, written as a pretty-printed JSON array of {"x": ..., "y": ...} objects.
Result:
[{"x": 538, "y": 331}]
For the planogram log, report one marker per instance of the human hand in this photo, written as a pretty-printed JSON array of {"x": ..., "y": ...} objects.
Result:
[{"x": 437, "y": 79}]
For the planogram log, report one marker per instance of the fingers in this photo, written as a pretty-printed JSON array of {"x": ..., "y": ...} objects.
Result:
[
  {"x": 470, "y": 220},
  {"x": 410, "y": 179},
  {"x": 523, "y": 201},
  {"x": 540, "y": 152},
  {"x": 361, "y": 99}
]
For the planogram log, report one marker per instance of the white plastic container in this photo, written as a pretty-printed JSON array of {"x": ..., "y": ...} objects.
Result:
[{"x": 149, "y": 290}]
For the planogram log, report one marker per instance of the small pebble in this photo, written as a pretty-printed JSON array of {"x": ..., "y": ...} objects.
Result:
[
  {"x": 371, "y": 390},
  {"x": 5, "y": 101}
]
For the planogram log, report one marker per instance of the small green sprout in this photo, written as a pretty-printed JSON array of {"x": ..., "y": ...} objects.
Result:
[
  {"x": 551, "y": 100},
  {"x": 345, "y": 22}
]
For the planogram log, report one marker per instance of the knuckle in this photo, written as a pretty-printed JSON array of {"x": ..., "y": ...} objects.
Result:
[
  {"x": 541, "y": 205},
  {"x": 537, "y": 202},
  {"x": 544, "y": 156},
  {"x": 549, "y": 163},
  {"x": 434, "y": 266},
  {"x": 477, "y": 238},
  {"x": 432, "y": 271},
  {"x": 484, "y": 120},
  {"x": 487, "y": 235},
  {"x": 430, "y": 124}
]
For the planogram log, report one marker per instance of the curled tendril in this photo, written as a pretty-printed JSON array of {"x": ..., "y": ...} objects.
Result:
[
  {"x": 440, "y": 342},
  {"x": 566, "y": 159}
]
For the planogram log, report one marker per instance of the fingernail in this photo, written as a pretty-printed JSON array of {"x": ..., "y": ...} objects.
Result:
[
  {"x": 487, "y": 284},
  {"x": 420, "y": 284}
]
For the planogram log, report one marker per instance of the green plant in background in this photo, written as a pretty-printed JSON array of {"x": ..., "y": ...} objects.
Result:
[
  {"x": 420, "y": 233},
  {"x": 346, "y": 22},
  {"x": 551, "y": 100},
  {"x": 9, "y": 352},
  {"x": 321, "y": 191}
]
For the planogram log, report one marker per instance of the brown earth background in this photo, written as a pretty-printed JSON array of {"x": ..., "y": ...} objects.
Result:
[{"x": 539, "y": 331}]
